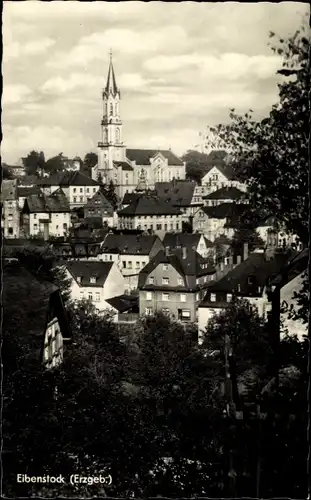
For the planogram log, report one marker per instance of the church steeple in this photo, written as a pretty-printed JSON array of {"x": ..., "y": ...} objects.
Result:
[{"x": 111, "y": 86}]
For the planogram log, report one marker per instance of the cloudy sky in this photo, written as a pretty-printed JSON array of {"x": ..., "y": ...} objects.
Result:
[{"x": 180, "y": 66}]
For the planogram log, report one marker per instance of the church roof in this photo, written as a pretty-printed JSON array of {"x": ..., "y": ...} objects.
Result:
[
  {"x": 143, "y": 156},
  {"x": 178, "y": 192},
  {"x": 148, "y": 205},
  {"x": 111, "y": 85}
]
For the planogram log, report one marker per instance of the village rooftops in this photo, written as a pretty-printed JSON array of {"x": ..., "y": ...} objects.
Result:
[
  {"x": 226, "y": 170},
  {"x": 148, "y": 205},
  {"x": 143, "y": 156},
  {"x": 55, "y": 203},
  {"x": 225, "y": 193},
  {"x": 99, "y": 200},
  {"x": 24, "y": 192},
  {"x": 128, "y": 244},
  {"x": 250, "y": 277},
  {"x": 225, "y": 210},
  {"x": 67, "y": 179},
  {"x": 188, "y": 240},
  {"x": 89, "y": 273},
  {"x": 178, "y": 192}
]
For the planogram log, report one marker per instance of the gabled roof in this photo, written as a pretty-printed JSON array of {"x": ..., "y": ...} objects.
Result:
[
  {"x": 149, "y": 205},
  {"x": 225, "y": 210},
  {"x": 192, "y": 265},
  {"x": 8, "y": 190},
  {"x": 225, "y": 193},
  {"x": 188, "y": 240},
  {"x": 178, "y": 192},
  {"x": 129, "y": 244},
  {"x": 258, "y": 267},
  {"x": 27, "y": 180},
  {"x": 124, "y": 303},
  {"x": 143, "y": 156},
  {"x": 111, "y": 85},
  {"x": 99, "y": 200},
  {"x": 226, "y": 170},
  {"x": 89, "y": 269},
  {"x": 125, "y": 166},
  {"x": 128, "y": 198},
  {"x": 67, "y": 179},
  {"x": 55, "y": 203}
]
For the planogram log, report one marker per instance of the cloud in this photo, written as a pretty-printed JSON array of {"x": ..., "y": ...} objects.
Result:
[
  {"x": 60, "y": 85},
  {"x": 96, "y": 46},
  {"x": 15, "y": 93},
  {"x": 13, "y": 50}
]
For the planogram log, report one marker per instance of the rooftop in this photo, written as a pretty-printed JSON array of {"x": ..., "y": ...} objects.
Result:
[
  {"x": 225, "y": 193},
  {"x": 149, "y": 205},
  {"x": 85, "y": 270},
  {"x": 130, "y": 244},
  {"x": 143, "y": 156},
  {"x": 55, "y": 203},
  {"x": 178, "y": 192},
  {"x": 67, "y": 179}
]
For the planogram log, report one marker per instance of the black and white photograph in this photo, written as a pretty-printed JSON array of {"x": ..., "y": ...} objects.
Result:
[{"x": 155, "y": 249}]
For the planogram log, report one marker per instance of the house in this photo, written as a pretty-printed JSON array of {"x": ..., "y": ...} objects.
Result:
[
  {"x": 48, "y": 327},
  {"x": 150, "y": 214},
  {"x": 95, "y": 281},
  {"x": 268, "y": 227},
  {"x": 183, "y": 194},
  {"x": 10, "y": 209},
  {"x": 17, "y": 170},
  {"x": 220, "y": 176},
  {"x": 24, "y": 192},
  {"x": 247, "y": 280},
  {"x": 131, "y": 253},
  {"x": 77, "y": 187},
  {"x": 211, "y": 221},
  {"x": 129, "y": 198},
  {"x": 75, "y": 249},
  {"x": 126, "y": 308},
  {"x": 192, "y": 241},
  {"x": 226, "y": 194},
  {"x": 174, "y": 283},
  {"x": 99, "y": 206},
  {"x": 46, "y": 215},
  {"x": 129, "y": 168}
]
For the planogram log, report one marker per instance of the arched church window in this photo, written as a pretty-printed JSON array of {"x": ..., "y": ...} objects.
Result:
[
  {"x": 117, "y": 135},
  {"x": 111, "y": 108},
  {"x": 105, "y": 135}
]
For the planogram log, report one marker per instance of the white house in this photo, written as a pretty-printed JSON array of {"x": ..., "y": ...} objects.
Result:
[
  {"x": 219, "y": 177},
  {"x": 95, "y": 281},
  {"x": 77, "y": 187},
  {"x": 10, "y": 210}
]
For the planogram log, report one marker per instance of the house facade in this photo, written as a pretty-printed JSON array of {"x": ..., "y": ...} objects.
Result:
[
  {"x": 218, "y": 220},
  {"x": 77, "y": 187},
  {"x": 99, "y": 207},
  {"x": 95, "y": 281},
  {"x": 10, "y": 209},
  {"x": 174, "y": 283},
  {"x": 191, "y": 241},
  {"x": 220, "y": 177},
  {"x": 129, "y": 168}
]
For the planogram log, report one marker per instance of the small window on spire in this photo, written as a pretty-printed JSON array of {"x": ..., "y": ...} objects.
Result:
[{"x": 111, "y": 109}]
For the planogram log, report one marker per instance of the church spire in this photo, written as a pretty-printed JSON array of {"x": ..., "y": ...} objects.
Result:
[{"x": 111, "y": 85}]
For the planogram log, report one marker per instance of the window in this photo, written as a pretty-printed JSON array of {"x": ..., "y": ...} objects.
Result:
[
  {"x": 177, "y": 225},
  {"x": 215, "y": 177},
  {"x": 148, "y": 295},
  {"x": 151, "y": 280},
  {"x": 94, "y": 190},
  {"x": 137, "y": 265},
  {"x": 81, "y": 294},
  {"x": 65, "y": 225},
  {"x": 111, "y": 109},
  {"x": 143, "y": 264},
  {"x": 106, "y": 257},
  {"x": 229, "y": 297},
  {"x": 213, "y": 297},
  {"x": 56, "y": 215},
  {"x": 110, "y": 257},
  {"x": 87, "y": 190},
  {"x": 165, "y": 267},
  {"x": 180, "y": 281},
  {"x": 81, "y": 199},
  {"x": 74, "y": 199},
  {"x": 130, "y": 264},
  {"x": 251, "y": 280},
  {"x": 92, "y": 279},
  {"x": 34, "y": 216},
  {"x": 182, "y": 297},
  {"x": 124, "y": 264},
  {"x": 10, "y": 230},
  {"x": 165, "y": 227},
  {"x": 148, "y": 311},
  {"x": 56, "y": 227},
  {"x": 159, "y": 227},
  {"x": 165, "y": 281},
  {"x": 185, "y": 314},
  {"x": 97, "y": 296},
  {"x": 81, "y": 190},
  {"x": 90, "y": 295},
  {"x": 35, "y": 226},
  {"x": 165, "y": 297},
  {"x": 79, "y": 279},
  {"x": 74, "y": 190}
]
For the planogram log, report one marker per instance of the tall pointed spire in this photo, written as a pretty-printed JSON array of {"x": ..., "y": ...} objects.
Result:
[{"x": 111, "y": 85}]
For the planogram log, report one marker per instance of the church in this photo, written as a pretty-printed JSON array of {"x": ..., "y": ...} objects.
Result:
[{"x": 129, "y": 169}]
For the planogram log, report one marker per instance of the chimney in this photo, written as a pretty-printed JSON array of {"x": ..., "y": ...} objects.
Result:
[
  {"x": 238, "y": 259},
  {"x": 184, "y": 252},
  {"x": 245, "y": 251}
]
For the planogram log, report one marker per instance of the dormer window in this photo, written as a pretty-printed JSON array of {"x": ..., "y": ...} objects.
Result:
[
  {"x": 79, "y": 279},
  {"x": 151, "y": 280},
  {"x": 251, "y": 280},
  {"x": 229, "y": 297},
  {"x": 93, "y": 279},
  {"x": 213, "y": 297}
]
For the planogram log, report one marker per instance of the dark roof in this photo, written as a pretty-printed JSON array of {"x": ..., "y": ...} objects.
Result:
[
  {"x": 225, "y": 193},
  {"x": 125, "y": 166},
  {"x": 128, "y": 198},
  {"x": 111, "y": 80},
  {"x": 55, "y": 203},
  {"x": 67, "y": 179},
  {"x": 192, "y": 265},
  {"x": 258, "y": 267},
  {"x": 8, "y": 190},
  {"x": 130, "y": 244},
  {"x": 143, "y": 156},
  {"x": 222, "y": 239},
  {"x": 89, "y": 269},
  {"x": 27, "y": 180},
  {"x": 178, "y": 192},
  {"x": 226, "y": 170},
  {"x": 188, "y": 240},
  {"x": 225, "y": 210},
  {"x": 149, "y": 205},
  {"x": 99, "y": 200},
  {"x": 23, "y": 192},
  {"x": 123, "y": 303},
  {"x": 296, "y": 266}
]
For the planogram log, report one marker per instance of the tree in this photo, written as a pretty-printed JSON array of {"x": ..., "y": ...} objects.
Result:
[
  {"x": 55, "y": 164},
  {"x": 90, "y": 160},
  {"x": 6, "y": 172},
  {"x": 111, "y": 195},
  {"x": 34, "y": 163},
  {"x": 271, "y": 155},
  {"x": 100, "y": 178},
  {"x": 247, "y": 235},
  {"x": 198, "y": 164}
]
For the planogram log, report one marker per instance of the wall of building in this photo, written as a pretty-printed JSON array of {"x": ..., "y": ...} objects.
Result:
[
  {"x": 11, "y": 219},
  {"x": 53, "y": 351},
  {"x": 159, "y": 224},
  {"x": 178, "y": 301}
]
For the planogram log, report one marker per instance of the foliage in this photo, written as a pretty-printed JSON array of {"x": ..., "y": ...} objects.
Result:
[
  {"x": 271, "y": 155},
  {"x": 246, "y": 235},
  {"x": 110, "y": 194},
  {"x": 34, "y": 163},
  {"x": 198, "y": 164},
  {"x": 90, "y": 160},
  {"x": 55, "y": 164},
  {"x": 6, "y": 172}
]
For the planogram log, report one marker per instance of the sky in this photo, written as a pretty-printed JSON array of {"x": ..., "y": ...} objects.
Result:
[{"x": 179, "y": 67}]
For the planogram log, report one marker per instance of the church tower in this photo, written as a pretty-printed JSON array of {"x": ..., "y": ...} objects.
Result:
[{"x": 110, "y": 148}]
